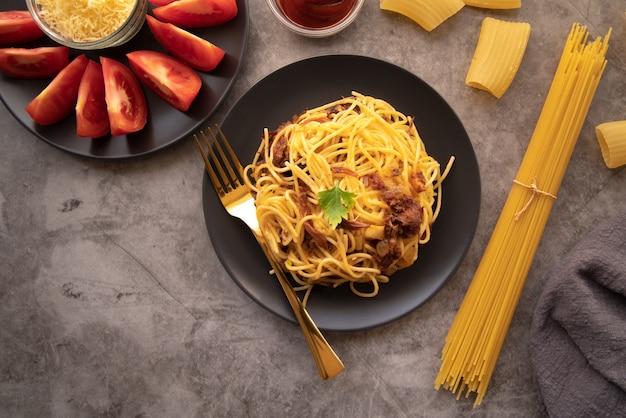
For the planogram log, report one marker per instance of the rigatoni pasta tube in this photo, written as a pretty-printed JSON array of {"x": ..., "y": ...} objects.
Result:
[
  {"x": 478, "y": 331},
  {"x": 498, "y": 55},
  {"x": 494, "y": 4},
  {"x": 612, "y": 139},
  {"x": 427, "y": 13}
]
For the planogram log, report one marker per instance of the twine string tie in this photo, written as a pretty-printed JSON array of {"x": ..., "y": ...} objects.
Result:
[{"x": 535, "y": 191}]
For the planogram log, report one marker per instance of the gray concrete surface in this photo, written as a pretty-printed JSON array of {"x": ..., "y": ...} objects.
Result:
[{"x": 113, "y": 302}]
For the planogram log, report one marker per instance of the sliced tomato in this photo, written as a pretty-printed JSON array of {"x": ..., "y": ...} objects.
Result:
[
  {"x": 126, "y": 102},
  {"x": 58, "y": 99},
  {"x": 34, "y": 63},
  {"x": 195, "y": 51},
  {"x": 18, "y": 27},
  {"x": 92, "y": 119},
  {"x": 168, "y": 77},
  {"x": 160, "y": 2},
  {"x": 197, "y": 13}
]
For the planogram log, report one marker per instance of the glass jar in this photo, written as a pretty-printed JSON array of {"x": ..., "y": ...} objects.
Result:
[
  {"x": 125, "y": 32},
  {"x": 309, "y": 27}
]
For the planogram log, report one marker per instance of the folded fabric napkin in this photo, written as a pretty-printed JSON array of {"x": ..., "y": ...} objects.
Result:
[{"x": 578, "y": 334}]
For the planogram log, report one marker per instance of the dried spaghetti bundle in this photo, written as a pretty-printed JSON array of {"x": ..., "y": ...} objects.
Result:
[{"x": 476, "y": 336}]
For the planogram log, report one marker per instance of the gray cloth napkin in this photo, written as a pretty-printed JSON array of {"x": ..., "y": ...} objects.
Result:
[{"x": 578, "y": 334}]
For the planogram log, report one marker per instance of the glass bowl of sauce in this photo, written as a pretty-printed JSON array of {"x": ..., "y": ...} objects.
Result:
[
  {"x": 89, "y": 24},
  {"x": 316, "y": 18}
]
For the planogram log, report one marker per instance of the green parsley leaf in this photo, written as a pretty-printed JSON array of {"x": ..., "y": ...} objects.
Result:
[{"x": 335, "y": 203}]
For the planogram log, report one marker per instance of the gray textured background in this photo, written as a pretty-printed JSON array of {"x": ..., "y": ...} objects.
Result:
[{"x": 113, "y": 302}]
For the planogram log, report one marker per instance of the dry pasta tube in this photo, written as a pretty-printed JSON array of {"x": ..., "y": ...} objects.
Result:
[
  {"x": 427, "y": 13},
  {"x": 498, "y": 55},
  {"x": 612, "y": 139},
  {"x": 495, "y": 4}
]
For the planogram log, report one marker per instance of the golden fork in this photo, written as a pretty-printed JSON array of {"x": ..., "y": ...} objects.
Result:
[{"x": 226, "y": 175}]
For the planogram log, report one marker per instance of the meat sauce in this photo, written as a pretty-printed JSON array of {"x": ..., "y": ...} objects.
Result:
[
  {"x": 316, "y": 14},
  {"x": 403, "y": 220}
]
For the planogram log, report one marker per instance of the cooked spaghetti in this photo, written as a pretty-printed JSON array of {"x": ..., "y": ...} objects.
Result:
[{"x": 358, "y": 146}]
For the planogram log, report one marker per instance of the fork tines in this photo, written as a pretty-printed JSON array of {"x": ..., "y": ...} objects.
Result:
[{"x": 223, "y": 166}]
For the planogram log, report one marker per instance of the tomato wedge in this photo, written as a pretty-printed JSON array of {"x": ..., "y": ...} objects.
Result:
[
  {"x": 18, "y": 27},
  {"x": 169, "y": 78},
  {"x": 34, "y": 63},
  {"x": 92, "y": 119},
  {"x": 160, "y": 2},
  {"x": 197, "y": 13},
  {"x": 58, "y": 99},
  {"x": 195, "y": 51},
  {"x": 126, "y": 102}
]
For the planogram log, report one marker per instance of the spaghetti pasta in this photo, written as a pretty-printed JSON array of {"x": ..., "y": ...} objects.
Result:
[
  {"x": 478, "y": 331},
  {"x": 427, "y": 13},
  {"x": 612, "y": 140},
  {"x": 498, "y": 55},
  {"x": 360, "y": 146}
]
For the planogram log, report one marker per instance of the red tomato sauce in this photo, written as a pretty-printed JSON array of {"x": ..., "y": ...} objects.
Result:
[{"x": 316, "y": 14}]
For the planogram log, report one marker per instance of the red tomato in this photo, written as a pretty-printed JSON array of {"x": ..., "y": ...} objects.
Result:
[
  {"x": 195, "y": 51},
  {"x": 92, "y": 119},
  {"x": 58, "y": 99},
  {"x": 34, "y": 63},
  {"x": 197, "y": 13},
  {"x": 169, "y": 78},
  {"x": 126, "y": 102},
  {"x": 161, "y": 2},
  {"x": 18, "y": 27}
]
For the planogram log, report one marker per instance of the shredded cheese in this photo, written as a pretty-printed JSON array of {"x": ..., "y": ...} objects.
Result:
[{"x": 85, "y": 20}]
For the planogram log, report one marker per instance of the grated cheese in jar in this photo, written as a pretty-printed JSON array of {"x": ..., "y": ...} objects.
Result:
[{"x": 85, "y": 20}]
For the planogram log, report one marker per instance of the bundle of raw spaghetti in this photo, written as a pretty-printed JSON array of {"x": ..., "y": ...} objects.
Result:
[{"x": 476, "y": 336}]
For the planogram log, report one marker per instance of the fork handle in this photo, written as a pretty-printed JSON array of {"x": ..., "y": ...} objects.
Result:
[{"x": 328, "y": 363}]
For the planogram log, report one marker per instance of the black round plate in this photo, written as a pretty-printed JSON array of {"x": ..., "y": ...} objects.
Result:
[
  {"x": 165, "y": 125},
  {"x": 316, "y": 81}
]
